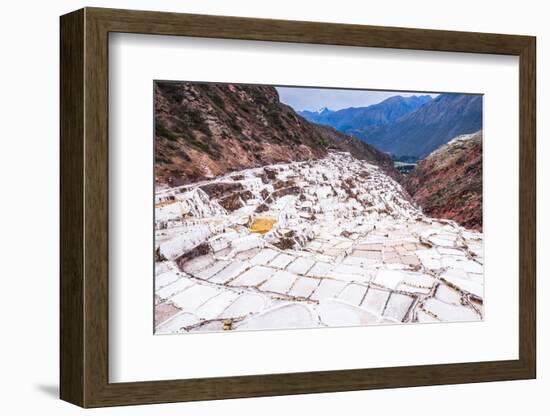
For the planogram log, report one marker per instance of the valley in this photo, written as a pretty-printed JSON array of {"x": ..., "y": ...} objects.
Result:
[
  {"x": 404, "y": 165},
  {"x": 271, "y": 218},
  {"x": 327, "y": 242}
]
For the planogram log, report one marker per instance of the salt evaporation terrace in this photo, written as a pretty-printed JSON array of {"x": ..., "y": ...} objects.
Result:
[{"x": 332, "y": 242}]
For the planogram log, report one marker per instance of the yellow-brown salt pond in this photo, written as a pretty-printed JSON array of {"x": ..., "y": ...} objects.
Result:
[{"x": 262, "y": 225}]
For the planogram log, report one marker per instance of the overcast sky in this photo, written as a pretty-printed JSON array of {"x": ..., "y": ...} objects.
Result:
[{"x": 313, "y": 99}]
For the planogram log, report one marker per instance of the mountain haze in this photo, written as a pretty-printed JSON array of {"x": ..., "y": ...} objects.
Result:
[
  {"x": 354, "y": 120},
  {"x": 420, "y": 132}
]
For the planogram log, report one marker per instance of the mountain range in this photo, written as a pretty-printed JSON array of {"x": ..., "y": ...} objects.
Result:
[
  {"x": 355, "y": 120},
  {"x": 206, "y": 130},
  {"x": 420, "y": 132},
  {"x": 407, "y": 126}
]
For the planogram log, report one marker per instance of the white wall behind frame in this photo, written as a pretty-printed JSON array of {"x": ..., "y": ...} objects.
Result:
[
  {"x": 136, "y": 60},
  {"x": 29, "y": 347}
]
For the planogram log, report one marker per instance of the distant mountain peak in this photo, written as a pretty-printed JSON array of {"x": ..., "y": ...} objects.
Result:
[
  {"x": 436, "y": 122},
  {"x": 353, "y": 120},
  {"x": 396, "y": 98}
]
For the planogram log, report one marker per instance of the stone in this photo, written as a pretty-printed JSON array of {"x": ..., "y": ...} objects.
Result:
[
  {"x": 353, "y": 294},
  {"x": 447, "y": 312},
  {"x": 281, "y": 261},
  {"x": 280, "y": 282},
  {"x": 453, "y": 262},
  {"x": 163, "y": 267},
  {"x": 212, "y": 270},
  {"x": 397, "y": 306},
  {"x": 320, "y": 269},
  {"x": 466, "y": 285},
  {"x": 328, "y": 288},
  {"x": 222, "y": 241},
  {"x": 389, "y": 278},
  {"x": 208, "y": 326},
  {"x": 423, "y": 317},
  {"x": 375, "y": 300},
  {"x": 402, "y": 251},
  {"x": 301, "y": 265},
  {"x": 346, "y": 269},
  {"x": 165, "y": 279},
  {"x": 303, "y": 287},
  {"x": 213, "y": 307},
  {"x": 247, "y": 254},
  {"x": 473, "y": 267},
  {"x": 373, "y": 255},
  {"x": 293, "y": 315},
  {"x": 369, "y": 247},
  {"x": 185, "y": 240},
  {"x": 198, "y": 263},
  {"x": 247, "y": 243},
  {"x": 334, "y": 252},
  {"x": 403, "y": 287},
  {"x": 177, "y": 324},
  {"x": 264, "y": 257},
  {"x": 178, "y": 286},
  {"x": 419, "y": 280},
  {"x": 190, "y": 299},
  {"x": 430, "y": 263},
  {"x": 234, "y": 269},
  {"x": 253, "y": 277},
  {"x": 347, "y": 248},
  {"x": 358, "y": 261},
  {"x": 445, "y": 240},
  {"x": 454, "y": 273},
  {"x": 448, "y": 295},
  {"x": 475, "y": 277},
  {"x": 337, "y": 313},
  {"x": 163, "y": 311},
  {"x": 410, "y": 260},
  {"x": 245, "y": 304},
  {"x": 450, "y": 251}
]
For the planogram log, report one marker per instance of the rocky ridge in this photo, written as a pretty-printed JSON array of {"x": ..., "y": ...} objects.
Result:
[
  {"x": 355, "y": 120},
  {"x": 422, "y": 131},
  {"x": 449, "y": 182}
]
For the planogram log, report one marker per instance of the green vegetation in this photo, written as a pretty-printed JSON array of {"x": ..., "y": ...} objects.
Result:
[
  {"x": 171, "y": 90},
  {"x": 161, "y": 130},
  {"x": 213, "y": 94}
]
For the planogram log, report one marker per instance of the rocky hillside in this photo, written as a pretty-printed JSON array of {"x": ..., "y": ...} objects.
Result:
[
  {"x": 420, "y": 132},
  {"x": 206, "y": 130},
  {"x": 359, "y": 119},
  {"x": 448, "y": 183}
]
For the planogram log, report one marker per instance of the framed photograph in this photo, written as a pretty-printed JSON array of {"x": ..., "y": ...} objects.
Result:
[{"x": 257, "y": 207}]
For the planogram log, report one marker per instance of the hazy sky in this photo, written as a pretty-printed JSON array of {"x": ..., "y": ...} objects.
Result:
[{"x": 313, "y": 99}]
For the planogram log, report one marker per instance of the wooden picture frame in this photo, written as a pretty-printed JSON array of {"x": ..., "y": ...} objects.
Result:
[{"x": 84, "y": 207}]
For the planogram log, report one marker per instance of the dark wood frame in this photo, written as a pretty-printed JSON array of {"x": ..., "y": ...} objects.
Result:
[{"x": 84, "y": 207}]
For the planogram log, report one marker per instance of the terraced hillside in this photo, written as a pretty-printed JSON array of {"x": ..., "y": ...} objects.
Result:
[{"x": 319, "y": 243}]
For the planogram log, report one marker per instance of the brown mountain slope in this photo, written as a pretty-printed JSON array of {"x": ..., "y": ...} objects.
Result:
[
  {"x": 205, "y": 130},
  {"x": 448, "y": 183}
]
